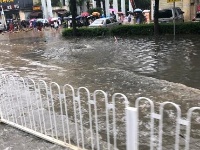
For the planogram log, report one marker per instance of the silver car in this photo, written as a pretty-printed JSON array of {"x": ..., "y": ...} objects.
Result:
[
  {"x": 105, "y": 22},
  {"x": 169, "y": 14}
]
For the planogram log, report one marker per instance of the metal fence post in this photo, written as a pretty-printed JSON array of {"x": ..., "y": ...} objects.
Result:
[{"x": 131, "y": 128}]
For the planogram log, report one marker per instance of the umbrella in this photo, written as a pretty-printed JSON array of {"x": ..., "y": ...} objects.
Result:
[
  {"x": 32, "y": 20},
  {"x": 120, "y": 13},
  {"x": 78, "y": 17},
  {"x": 85, "y": 14},
  {"x": 39, "y": 20},
  {"x": 130, "y": 12},
  {"x": 146, "y": 11},
  {"x": 54, "y": 19},
  {"x": 67, "y": 18},
  {"x": 138, "y": 10},
  {"x": 89, "y": 16},
  {"x": 96, "y": 14},
  {"x": 112, "y": 9}
]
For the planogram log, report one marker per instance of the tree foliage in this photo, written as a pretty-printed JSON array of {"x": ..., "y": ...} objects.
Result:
[
  {"x": 56, "y": 3},
  {"x": 143, "y": 4},
  {"x": 80, "y": 2},
  {"x": 98, "y": 3}
]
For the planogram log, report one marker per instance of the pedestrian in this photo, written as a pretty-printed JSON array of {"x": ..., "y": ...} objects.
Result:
[
  {"x": 113, "y": 15},
  {"x": 59, "y": 22},
  {"x": 55, "y": 24},
  {"x": 64, "y": 24},
  {"x": 39, "y": 27},
  {"x": 11, "y": 27},
  {"x": 52, "y": 24},
  {"x": 129, "y": 18},
  {"x": 34, "y": 24}
]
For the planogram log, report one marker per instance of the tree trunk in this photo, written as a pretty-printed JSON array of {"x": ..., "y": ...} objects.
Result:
[
  {"x": 88, "y": 5},
  {"x": 74, "y": 13},
  {"x": 104, "y": 7},
  {"x": 98, "y": 3},
  {"x": 156, "y": 24}
]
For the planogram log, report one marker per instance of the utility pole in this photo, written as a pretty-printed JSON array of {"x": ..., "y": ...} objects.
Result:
[
  {"x": 74, "y": 13},
  {"x": 156, "y": 13},
  {"x": 174, "y": 21},
  {"x": 104, "y": 7}
]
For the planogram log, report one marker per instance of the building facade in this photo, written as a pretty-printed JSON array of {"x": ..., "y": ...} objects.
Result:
[
  {"x": 27, "y": 9},
  {"x": 16, "y": 9}
]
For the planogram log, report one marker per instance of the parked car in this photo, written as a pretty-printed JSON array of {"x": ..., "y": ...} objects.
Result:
[
  {"x": 2, "y": 28},
  {"x": 105, "y": 22},
  {"x": 196, "y": 18},
  {"x": 167, "y": 15}
]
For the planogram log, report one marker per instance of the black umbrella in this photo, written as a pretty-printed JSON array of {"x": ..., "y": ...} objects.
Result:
[
  {"x": 130, "y": 12},
  {"x": 78, "y": 17}
]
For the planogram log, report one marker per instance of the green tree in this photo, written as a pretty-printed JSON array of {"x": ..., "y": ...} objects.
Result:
[
  {"x": 88, "y": 4},
  {"x": 55, "y": 3},
  {"x": 80, "y": 3},
  {"x": 98, "y": 3},
  {"x": 143, "y": 4}
]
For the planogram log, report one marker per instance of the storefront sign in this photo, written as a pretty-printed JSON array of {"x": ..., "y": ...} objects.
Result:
[
  {"x": 171, "y": 1},
  {"x": 9, "y": 4},
  {"x": 36, "y": 8},
  {"x": 7, "y": 1},
  {"x": 10, "y": 7}
]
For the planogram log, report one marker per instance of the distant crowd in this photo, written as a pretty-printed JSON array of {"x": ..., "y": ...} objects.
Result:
[
  {"x": 35, "y": 24},
  {"x": 55, "y": 23}
]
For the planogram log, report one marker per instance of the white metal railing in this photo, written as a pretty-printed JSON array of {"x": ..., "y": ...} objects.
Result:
[
  {"x": 160, "y": 117},
  {"x": 79, "y": 119}
]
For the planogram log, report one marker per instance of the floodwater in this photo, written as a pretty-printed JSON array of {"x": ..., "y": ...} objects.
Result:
[{"x": 138, "y": 66}]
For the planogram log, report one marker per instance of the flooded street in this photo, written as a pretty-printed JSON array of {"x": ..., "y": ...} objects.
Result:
[{"x": 163, "y": 69}]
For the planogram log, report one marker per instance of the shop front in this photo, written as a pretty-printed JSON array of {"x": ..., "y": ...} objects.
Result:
[
  {"x": 36, "y": 13},
  {"x": 10, "y": 9}
]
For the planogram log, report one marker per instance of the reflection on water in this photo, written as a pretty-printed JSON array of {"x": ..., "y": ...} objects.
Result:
[
  {"x": 162, "y": 58},
  {"x": 103, "y": 63}
]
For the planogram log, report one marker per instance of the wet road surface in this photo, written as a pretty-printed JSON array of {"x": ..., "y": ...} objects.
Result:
[{"x": 136, "y": 67}]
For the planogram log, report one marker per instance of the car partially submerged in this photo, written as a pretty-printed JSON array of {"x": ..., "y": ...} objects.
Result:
[
  {"x": 169, "y": 14},
  {"x": 105, "y": 22}
]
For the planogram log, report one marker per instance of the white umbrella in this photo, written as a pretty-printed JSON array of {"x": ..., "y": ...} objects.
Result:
[
  {"x": 138, "y": 10},
  {"x": 54, "y": 19}
]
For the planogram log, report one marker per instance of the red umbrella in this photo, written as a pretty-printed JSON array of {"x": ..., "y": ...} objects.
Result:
[
  {"x": 120, "y": 13},
  {"x": 85, "y": 14},
  {"x": 112, "y": 9}
]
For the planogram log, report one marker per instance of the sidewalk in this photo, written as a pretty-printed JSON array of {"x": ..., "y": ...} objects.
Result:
[{"x": 14, "y": 139}]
